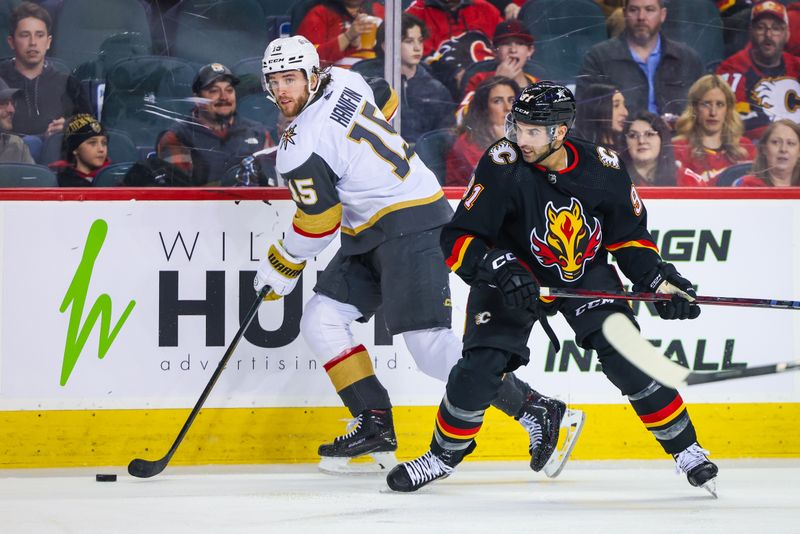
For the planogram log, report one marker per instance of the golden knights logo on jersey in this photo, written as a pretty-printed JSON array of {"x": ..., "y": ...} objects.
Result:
[
  {"x": 569, "y": 242},
  {"x": 288, "y": 136}
]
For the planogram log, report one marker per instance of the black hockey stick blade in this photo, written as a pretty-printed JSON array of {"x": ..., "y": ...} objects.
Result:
[
  {"x": 141, "y": 468},
  {"x": 564, "y": 292},
  {"x": 625, "y": 337}
]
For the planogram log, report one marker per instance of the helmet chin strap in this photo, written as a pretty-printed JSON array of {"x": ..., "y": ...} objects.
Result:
[{"x": 553, "y": 148}]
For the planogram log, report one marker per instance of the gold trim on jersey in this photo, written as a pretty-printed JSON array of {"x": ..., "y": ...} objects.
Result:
[
  {"x": 390, "y": 209},
  {"x": 319, "y": 224},
  {"x": 390, "y": 107}
]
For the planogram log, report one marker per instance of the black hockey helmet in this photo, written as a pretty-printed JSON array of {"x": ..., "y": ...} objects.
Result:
[{"x": 545, "y": 103}]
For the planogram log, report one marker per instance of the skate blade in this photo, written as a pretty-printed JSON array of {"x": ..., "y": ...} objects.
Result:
[
  {"x": 571, "y": 426},
  {"x": 711, "y": 487},
  {"x": 368, "y": 464}
]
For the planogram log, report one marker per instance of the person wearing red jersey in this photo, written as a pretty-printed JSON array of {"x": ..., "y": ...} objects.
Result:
[
  {"x": 709, "y": 134},
  {"x": 778, "y": 161},
  {"x": 546, "y": 210},
  {"x": 513, "y": 47},
  {"x": 343, "y": 30},
  {"x": 446, "y": 19},
  {"x": 763, "y": 76}
]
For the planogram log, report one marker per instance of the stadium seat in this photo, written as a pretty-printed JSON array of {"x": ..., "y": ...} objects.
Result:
[
  {"x": 248, "y": 70},
  {"x": 113, "y": 175},
  {"x": 145, "y": 95},
  {"x": 369, "y": 68},
  {"x": 26, "y": 175},
  {"x": 207, "y": 32},
  {"x": 432, "y": 148},
  {"x": 727, "y": 177},
  {"x": 697, "y": 24},
  {"x": 564, "y": 31},
  {"x": 112, "y": 49},
  {"x": 83, "y": 25},
  {"x": 257, "y": 108},
  {"x": 120, "y": 148}
]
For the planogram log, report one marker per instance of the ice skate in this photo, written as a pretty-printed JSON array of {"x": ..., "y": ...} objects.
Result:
[
  {"x": 369, "y": 435},
  {"x": 412, "y": 475},
  {"x": 543, "y": 419},
  {"x": 700, "y": 471}
]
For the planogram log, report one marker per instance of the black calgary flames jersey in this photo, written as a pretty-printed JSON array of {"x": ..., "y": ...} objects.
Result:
[{"x": 561, "y": 225}]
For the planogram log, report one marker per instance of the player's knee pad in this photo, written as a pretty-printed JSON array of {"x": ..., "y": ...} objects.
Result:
[
  {"x": 622, "y": 373},
  {"x": 325, "y": 326},
  {"x": 435, "y": 351},
  {"x": 476, "y": 378}
]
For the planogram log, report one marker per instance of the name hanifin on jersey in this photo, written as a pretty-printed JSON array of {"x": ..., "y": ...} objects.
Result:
[{"x": 345, "y": 107}]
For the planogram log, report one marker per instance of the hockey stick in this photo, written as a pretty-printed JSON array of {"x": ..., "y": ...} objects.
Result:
[
  {"x": 652, "y": 297},
  {"x": 623, "y": 336},
  {"x": 147, "y": 468}
]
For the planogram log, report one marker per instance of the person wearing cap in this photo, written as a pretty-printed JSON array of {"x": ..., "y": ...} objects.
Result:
[
  {"x": 84, "y": 151},
  {"x": 653, "y": 72},
  {"x": 763, "y": 76},
  {"x": 446, "y": 19},
  {"x": 216, "y": 139},
  {"x": 513, "y": 48},
  {"x": 47, "y": 96},
  {"x": 12, "y": 148},
  {"x": 344, "y": 31}
]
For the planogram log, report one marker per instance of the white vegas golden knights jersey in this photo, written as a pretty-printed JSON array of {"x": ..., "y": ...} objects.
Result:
[{"x": 348, "y": 169}]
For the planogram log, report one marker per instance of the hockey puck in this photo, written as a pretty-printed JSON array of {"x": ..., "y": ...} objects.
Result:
[{"x": 105, "y": 478}]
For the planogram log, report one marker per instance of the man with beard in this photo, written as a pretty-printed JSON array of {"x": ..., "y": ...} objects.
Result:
[
  {"x": 216, "y": 139},
  {"x": 349, "y": 172},
  {"x": 653, "y": 72},
  {"x": 763, "y": 76}
]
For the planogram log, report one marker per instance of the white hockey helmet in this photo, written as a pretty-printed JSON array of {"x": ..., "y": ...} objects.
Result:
[{"x": 290, "y": 53}]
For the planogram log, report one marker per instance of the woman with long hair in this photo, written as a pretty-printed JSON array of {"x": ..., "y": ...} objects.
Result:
[
  {"x": 648, "y": 155},
  {"x": 601, "y": 115},
  {"x": 777, "y": 162},
  {"x": 709, "y": 134},
  {"x": 483, "y": 125}
]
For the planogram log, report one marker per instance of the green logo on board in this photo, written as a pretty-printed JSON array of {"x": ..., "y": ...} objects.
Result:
[{"x": 78, "y": 333}]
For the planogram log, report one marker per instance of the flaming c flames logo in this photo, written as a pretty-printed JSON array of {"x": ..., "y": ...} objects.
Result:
[{"x": 569, "y": 242}]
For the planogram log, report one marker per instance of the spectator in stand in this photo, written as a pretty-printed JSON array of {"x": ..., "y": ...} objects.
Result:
[
  {"x": 483, "y": 125},
  {"x": 47, "y": 96},
  {"x": 508, "y": 8},
  {"x": 217, "y": 139},
  {"x": 601, "y": 115},
  {"x": 446, "y": 19},
  {"x": 709, "y": 134},
  {"x": 777, "y": 162},
  {"x": 343, "y": 30},
  {"x": 84, "y": 152},
  {"x": 12, "y": 148},
  {"x": 763, "y": 76},
  {"x": 649, "y": 157},
  {"x": 652, "y": 71},
  {"x": 513, "y": 48},
  {"x": 455, "y": 56},
  {"x": 426, "y": 103},
  {"x": 793, "y": 46}
]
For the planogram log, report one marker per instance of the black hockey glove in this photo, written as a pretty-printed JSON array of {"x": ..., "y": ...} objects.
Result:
[
  {"x": 665, "y": 278},
  {"x": 501, "y": 269},
  {"x": 249, "y": 172}
]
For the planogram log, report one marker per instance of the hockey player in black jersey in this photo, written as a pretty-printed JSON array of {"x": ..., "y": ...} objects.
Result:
[{"x": 545, "y": 209}]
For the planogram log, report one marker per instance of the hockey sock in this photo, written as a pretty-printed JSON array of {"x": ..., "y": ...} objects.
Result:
[
  {"x": 353, "y": 377},
  {"x": 660, "y": 409}
]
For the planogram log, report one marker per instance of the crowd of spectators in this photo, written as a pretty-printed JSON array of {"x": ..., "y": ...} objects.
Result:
[{"x": 675, "y": 119}]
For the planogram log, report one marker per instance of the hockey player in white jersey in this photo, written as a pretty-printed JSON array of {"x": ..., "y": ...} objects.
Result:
[{"x": 350, "y": 173}]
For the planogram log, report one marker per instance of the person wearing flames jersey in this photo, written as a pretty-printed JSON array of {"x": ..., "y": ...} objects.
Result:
[
  {"x": 544, "y": 210},
  {"x": 350, "y": 173},
  {"x": 763, "y": 76}
]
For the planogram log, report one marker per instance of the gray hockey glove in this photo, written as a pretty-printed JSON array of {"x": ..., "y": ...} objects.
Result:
[
  {"x": 665, "y": 278},
  {"x": 501, "y": 269}
]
